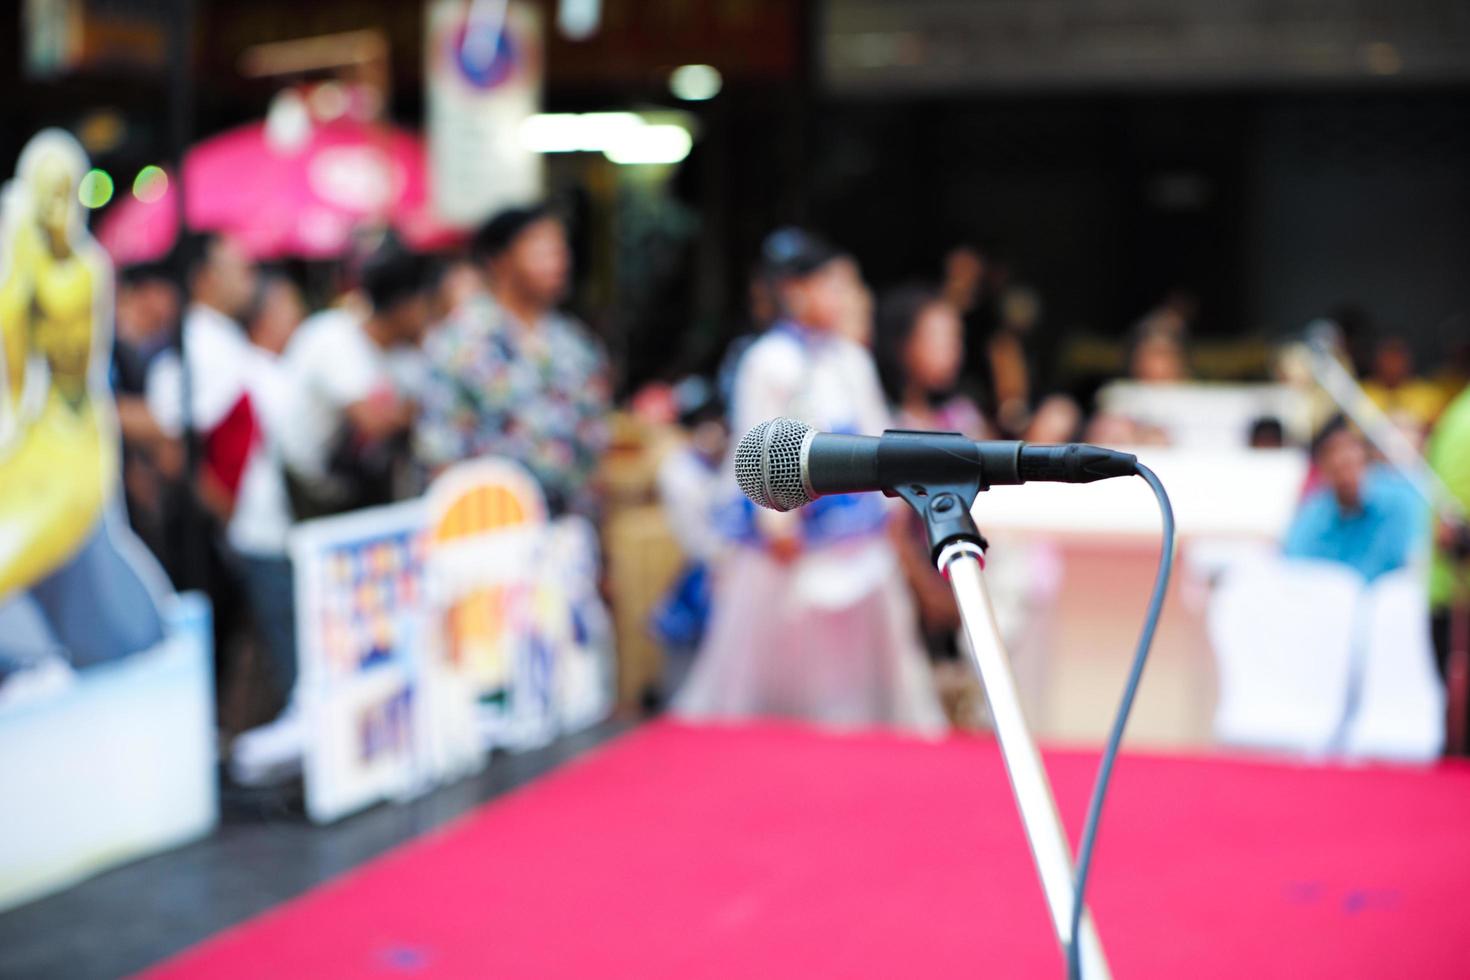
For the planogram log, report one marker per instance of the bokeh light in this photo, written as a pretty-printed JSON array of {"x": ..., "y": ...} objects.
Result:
[
  {"x": 696, "y": 83},
  {"x": 151, "y": 184},
  {"x": 650, "y": 144},
  {"x": 95, "y": 188}
]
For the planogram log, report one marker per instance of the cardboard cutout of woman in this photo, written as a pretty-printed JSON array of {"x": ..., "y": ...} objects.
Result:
[{"x": 63, "y": 541}]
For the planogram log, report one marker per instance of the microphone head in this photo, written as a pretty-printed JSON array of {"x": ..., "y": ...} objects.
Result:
[{"x": 768, "y": 464}]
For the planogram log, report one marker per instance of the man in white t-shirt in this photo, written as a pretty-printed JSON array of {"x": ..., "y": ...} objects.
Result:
[
  {"x": 353, "y": 392},
  {"x": 235, "y": 400}
]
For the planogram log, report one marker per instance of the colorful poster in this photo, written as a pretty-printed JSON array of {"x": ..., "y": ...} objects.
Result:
[
  {"x": 483, "y": 62},
  {"x": 434, "y": 630},
  {"x": 96, "y": 654},
  {"x": 359, "y": 581},
  {"x": 516, "y": 606}
]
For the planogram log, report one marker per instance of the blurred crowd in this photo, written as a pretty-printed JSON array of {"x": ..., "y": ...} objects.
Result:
[
  {"x": 414, "y": 364},
  {"x": 832, "y": 613}
]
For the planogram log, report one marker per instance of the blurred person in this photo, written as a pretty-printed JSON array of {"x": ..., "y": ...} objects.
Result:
[
  {"x": 350, "y": 387},
  {"x": 235, "y": 406},
  {"x": 811, "y": 617},
  {"x": 511, "y": 375},
  {"x": 1158, "y": 357},
  {"x": 145, "y": 314},
  {"x": 964, "y": 283},
  {"x": 655, "y": 404},
  {"x": 221, "y": 284},
  {"x": 1448, "y": 453},
  {"x": 274, "y": 313},
  {"x": 98, "y": 601},
  {"x": 690, "y": 485},
  {"x": 856, "y": 322},
  {"x": 1173, "y": 317},
  {"x": 921, "y": 351},
  {"x": 761, "y": 297},
  {"x": 963, "y": 278},
  {"x": 1057, "y": 419},
  {"x": 920, "y": 354},
  {"x": 146, "y": 310},
  {"x": 1008, "y": 353},
  {"x": 1394, "y": 387},
  {"x": 1111, "y": 430},
  {"x": 354, "y": 385},
  {"x": 1266, "y": 432},
  {"x": 1361, "y": 515},
  {"x": 688, "y": 477},
  {"x": 455, "y": 281}
]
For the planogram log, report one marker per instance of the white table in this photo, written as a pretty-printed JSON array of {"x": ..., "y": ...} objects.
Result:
[{"x": 1076, "y": 651}]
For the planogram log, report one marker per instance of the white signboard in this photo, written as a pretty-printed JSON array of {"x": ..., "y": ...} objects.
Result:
[
  {"x": 435, "y": 629},
  {"x": 484, "y": 69}
]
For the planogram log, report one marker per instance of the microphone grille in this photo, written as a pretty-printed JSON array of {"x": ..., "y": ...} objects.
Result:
[{"x": 768, "y": 464}]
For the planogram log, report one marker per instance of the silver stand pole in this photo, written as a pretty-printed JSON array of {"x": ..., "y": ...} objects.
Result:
[{"x": 963, "y": 563}]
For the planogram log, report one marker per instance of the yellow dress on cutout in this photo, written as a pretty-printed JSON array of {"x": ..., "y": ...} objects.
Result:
[{"x": 58, "y": 448}]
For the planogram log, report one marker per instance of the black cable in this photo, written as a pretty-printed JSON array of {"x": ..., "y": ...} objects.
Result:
[{"x": 1115, "y": 737}]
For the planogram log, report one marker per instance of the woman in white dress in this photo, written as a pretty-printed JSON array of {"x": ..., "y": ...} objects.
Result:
[{"x": 812, "y": 618}]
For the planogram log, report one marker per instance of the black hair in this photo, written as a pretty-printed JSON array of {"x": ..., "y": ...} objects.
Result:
[
  {"x": 192, "y": 253},
  {"x": 898, "y": 313},
  {"x": 268, "y": 279},
  {"x": 141, "y": 272},
  {"x": 791, "y": 253},
  {"x": 392, "y": 274},
  {"x": 697, "y": 399},
  {"x": 498, "y": 234},
  {"x": 1332, "y": 427},
  {"x": 1267, "y": 429}
]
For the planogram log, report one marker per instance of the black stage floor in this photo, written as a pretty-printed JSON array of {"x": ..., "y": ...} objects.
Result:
[{"x": 264, "y": 852}]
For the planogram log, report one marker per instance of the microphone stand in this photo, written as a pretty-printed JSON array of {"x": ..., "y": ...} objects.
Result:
[{"x": 958, "y": 550}]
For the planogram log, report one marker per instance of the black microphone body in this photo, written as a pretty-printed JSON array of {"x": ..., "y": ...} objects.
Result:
[
  {"x": 783, "y": 464},
  {"x": 853, "y": 464}
]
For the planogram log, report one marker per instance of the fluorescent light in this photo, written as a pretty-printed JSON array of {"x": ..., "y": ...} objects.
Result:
[
  {"x": 650, "y": 144},
  {"x": 696, "y": 83},
  {"x": 572, "y": 132},
  {"x": 623, "y": 137}
]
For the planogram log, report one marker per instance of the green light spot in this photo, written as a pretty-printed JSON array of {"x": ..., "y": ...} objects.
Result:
[
  {"x": 150, "y": 185},
  {"x": 95, "y": 188}
]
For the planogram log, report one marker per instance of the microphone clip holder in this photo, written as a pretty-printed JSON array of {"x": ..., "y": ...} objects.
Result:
[{"x": 945, "y": 510}]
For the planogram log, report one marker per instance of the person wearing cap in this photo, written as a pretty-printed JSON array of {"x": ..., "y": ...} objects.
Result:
[
  {"x": 510, "y": 375},
  {"x": 811, "y": 618}
]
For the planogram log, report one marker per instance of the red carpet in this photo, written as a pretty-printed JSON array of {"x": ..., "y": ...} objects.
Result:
[{"x": 775, "y": 852}]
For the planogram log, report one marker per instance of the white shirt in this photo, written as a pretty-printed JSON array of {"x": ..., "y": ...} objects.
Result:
[
  {"x": 822, "y": 379},
  {"x": 688, "y": 490},
  {"x": 829, "y": 383},
  {"x": 228, "y": 376},
  {"x": 332, "y": 363}
]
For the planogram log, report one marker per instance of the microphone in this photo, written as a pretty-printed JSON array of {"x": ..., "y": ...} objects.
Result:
[{"x": 783, "y": 464}]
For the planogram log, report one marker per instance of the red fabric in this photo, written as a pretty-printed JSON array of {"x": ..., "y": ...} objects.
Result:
[
  {"x": 228, "y": 446},
  {"x": 776, "y": 852}
]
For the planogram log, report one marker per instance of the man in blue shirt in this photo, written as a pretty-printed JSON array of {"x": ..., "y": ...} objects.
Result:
[{"x": 1362, "y": 515}]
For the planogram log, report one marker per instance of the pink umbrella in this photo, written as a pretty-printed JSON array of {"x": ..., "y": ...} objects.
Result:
[{"x": 302, "y": 201}]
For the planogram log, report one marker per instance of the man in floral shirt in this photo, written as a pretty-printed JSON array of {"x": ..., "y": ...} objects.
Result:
[{"x": 510, "y": 375}]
